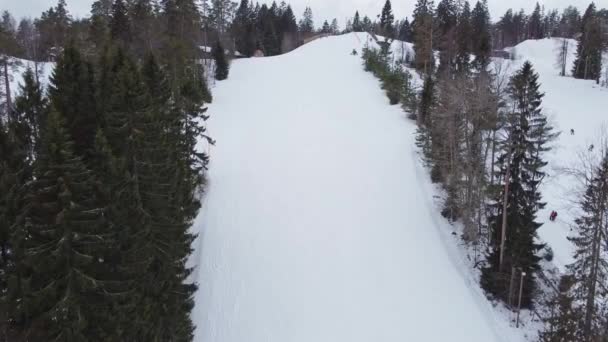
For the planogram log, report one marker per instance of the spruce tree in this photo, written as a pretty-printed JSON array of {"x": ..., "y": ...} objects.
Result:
[
  {"x": 535, "y": 30},
  {"x": 591, "y": 44},
  {"x": 333, "y": 27},
  {"x": 405, "y": 31},
  {"x": 563, "y": 321},
  {"x": 30, "y": 109},
  {"x": 15, "y": 172},
  {"x": 482, "y": 46},
  {"x": 463, "y": 40},
  {"x": 325, "y": 28},
  {"x": 590, "y": 267},
  {"x": 64, "y": 235},
  {"x": 120, "y": 27},
  {"x": 221, "y": 62},
  {"x": 521, "y": 163},
  {"x": 306, "y": 23},
  {"x": 447, "y": 19},
  {"x": 422, "y": 29},
  {"x": 357, "y": 27},
  {"x": 19, "y": 143},
  {"x": 387, "y": 20},
  {"x": 72, "y": 93},
  {"x": 366, "y": 24}
]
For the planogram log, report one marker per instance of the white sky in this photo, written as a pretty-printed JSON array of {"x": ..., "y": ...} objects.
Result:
[{"x": 322, "y": 9}]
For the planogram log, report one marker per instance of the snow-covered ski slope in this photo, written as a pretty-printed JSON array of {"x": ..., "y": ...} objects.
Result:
[
  {"x": 319, "y": 224},
  {"x": 570, "y": 104}
]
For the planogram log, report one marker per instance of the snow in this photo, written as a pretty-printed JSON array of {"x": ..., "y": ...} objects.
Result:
[
  {"x": 16, "y": 78},
  {"x": 570, "y": 104},
  {"x": 319, "y": 222}
]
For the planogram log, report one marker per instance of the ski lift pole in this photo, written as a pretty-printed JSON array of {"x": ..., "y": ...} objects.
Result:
[
  {"x": 521, "y": 288},
  {"x": 503, "y": 235}
]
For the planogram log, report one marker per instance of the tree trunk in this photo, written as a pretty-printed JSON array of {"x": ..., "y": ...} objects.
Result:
[{"x": 7, "y": 87}]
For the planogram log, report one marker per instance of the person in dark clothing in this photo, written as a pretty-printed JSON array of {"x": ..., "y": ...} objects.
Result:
[{"x": 553, "y": 216}]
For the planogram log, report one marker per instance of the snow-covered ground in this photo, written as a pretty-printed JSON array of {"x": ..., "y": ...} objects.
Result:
[
  {"x": 570, "y": 104},
  {"x": 16, "y": 74},
  {"x": 319, "y": 223}
]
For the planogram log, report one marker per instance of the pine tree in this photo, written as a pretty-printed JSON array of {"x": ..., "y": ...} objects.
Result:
[
  {"x": 325, "y": 28},
  {"x": 306, "y": 23},
  {"x": 463, "y": 40},
  {"x": 243, "y": 29},
  {"x": 521, "y": 168},
  {"x": 64, "y": 234},
  {"x": 447, "y": 19},
  {"x": 221, "y": 62},
  {"x": 144, "y": 28},
  {"x": 534, "y": 25},
  {"x": 591, "y": 44},
  {"x": 422, "y": 28},
  {"x": 288, "y": 28},
  {"x": 366, "y": 24},
  {"x": 427, "y": 101},
  {"x": 482, "y": 47},
  {"x": 9, "y": 48},
  {"x": 357, "y": 26},
  {"x": 405, "y": 31},
  {"x": 30, "y": 110},
  {"x": 221, "y": 14},
  {"x": 387, "y": 19},
  {"x": 590, "y": 267},
  {"x": 570, "y": 22},
  {"x": 563, "y": 322},
  {"x": 333, "y": 27},
  {"x": 99, "y": 28},
  {"x": 120, "y": 28}
]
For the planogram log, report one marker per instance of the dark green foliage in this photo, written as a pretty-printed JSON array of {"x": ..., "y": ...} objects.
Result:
[
  {"x": 120, "y": 28},
  {"x": 357, "y": 25},
  {"x": 54, "y": 29},
  {"x": 72, "y": 93},
  {"x": 387, "y": 19},
  {"x": 306, "y": 23},
  {"x": 482, "y": 46},
  {"x": 405, "y": 31},
  {"x": 562, "y": 323},
  {"x": 243, "y": 29},
  {"x": 527, "y": 136},
  {"x": 15, "y": 172},
  {"x": 447, "y": 19},
  {"x": 590, "y": 267},
  {"x": 221, "y": 62},
  {"x": 95, "y": 208},
  {"x": 396, "y": 81},
  {"x": 535, "y": 25},
  {"x": 325, "y": 28},
  {"x": 30, "y": 112},
  {"x": 463, "y": 40},
  {"x": 422, "y": 29},
  {"x": 61, "y": 236},
  {"x": 591, "y": 44},
  {"x": 427, "y": 101}
]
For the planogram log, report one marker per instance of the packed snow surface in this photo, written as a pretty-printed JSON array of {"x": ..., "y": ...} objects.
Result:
[{"x": 318, "y": 224}]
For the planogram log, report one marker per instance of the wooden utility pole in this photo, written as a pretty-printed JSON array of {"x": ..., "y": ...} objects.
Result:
[
  {"x": 7, "y": 86},
  {"x": 503, "y": 236},
  {"x": 521, "y": 288}
]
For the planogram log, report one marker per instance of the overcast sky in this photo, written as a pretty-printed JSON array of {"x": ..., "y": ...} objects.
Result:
[{"x": 322, "y": 9}]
